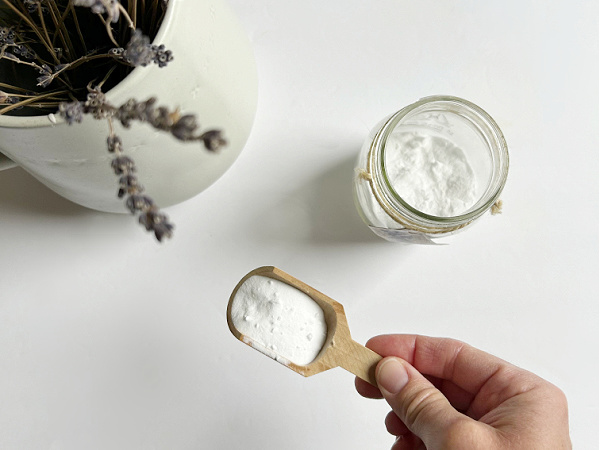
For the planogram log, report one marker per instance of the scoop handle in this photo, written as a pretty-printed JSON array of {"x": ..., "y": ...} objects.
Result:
[{"x": 359, "y": 360}]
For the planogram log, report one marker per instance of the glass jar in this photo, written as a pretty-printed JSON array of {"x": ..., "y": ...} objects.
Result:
[{"x": 430, "y": 170}]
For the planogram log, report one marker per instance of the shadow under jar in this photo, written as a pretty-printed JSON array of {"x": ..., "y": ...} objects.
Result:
[{"x": 430, "y": 170}]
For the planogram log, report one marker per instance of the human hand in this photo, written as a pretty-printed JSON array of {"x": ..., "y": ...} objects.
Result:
[{"x": 446, "y": 394}]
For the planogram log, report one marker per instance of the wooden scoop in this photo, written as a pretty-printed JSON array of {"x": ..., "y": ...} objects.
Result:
[{"x": 339, "y": 350}]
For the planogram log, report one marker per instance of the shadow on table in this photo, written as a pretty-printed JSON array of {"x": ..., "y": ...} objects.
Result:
[
  {"x": 334, "y": 215},
  {"x": 322, "y": 211},
  {"x": 21, "y": 193}
]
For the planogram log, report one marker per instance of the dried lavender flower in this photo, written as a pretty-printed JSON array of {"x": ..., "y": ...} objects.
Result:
[
  {"x": 163, "y": 229},
  {"x": 122, "y": 165},
  {"x": 95, "y": 98},
  {"x": 46, "y": 76},
  {"x": 23, "y": 51},
  {"x": 97, "y": 105},
  {"x": 145, "y": 111},
  {"x": 157, "y": 222},
  {"x": 162, "y": 57},
  {"x": 33, "y": 5},
  {"x": 150, "y": 216},
  {"x": 184, "y": 128},
  {"x": 71, "y": 111},
  {"x": 114, "y": 144},
  {"x": 213, "y": 140},
  {"x": 7, "y": 36},
  {"x": 127, "y": 112},
  {"x": 138, "y": 51},
  {"x": 161, "y": 118},
  {"x": 117, "y": 52},
  {"x": 128, "y": 184},
  {"x": 108, "y": 7},
  {"x": 8, "y": 99},
  {"x": 10, "y": 56},
  {"x": 96, "y": 5},
  {"x": 138, "y": 202}
]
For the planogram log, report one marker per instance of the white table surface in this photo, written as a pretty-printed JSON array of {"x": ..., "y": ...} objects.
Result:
[{"x": 111, "y": 341}]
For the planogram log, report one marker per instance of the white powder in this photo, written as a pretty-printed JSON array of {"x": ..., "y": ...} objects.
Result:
[
  {"x": 430, "y": 173},
  {"x": 282, "y": 320}
]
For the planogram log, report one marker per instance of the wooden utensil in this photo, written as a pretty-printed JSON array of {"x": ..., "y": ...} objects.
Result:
[{"x": 339, "y": 349}]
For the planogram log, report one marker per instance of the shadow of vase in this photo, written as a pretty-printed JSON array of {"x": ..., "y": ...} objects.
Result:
[{"x": 21, "y": 193}]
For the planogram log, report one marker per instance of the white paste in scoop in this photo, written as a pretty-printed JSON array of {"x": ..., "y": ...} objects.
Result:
[{"x": 280, "y": 320}]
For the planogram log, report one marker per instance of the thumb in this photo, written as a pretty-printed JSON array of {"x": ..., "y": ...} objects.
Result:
[{"x": 419, "y": 405}]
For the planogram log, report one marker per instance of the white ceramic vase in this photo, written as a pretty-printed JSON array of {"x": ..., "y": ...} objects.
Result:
[{"x": 212, "y": 75}]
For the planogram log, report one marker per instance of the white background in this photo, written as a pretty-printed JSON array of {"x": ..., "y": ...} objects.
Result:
[{"x": 111, "y": 341}]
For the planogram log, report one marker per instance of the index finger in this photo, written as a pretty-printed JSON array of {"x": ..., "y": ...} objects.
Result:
[{"x": 443, "y": 358}]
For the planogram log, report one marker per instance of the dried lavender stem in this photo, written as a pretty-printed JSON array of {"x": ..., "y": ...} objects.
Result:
[
  {"x": 108, "y": 74},
  {"x": 124, "y": 11},
  {"x": 35, "y": 29},
  {"x": 77, "y": 62},
  {"x": 9, "y": 86},
  {"x": 134, "y": 13},
  {"x": 111, "y": 127},
  {"x": 106, "y": 23},
  {"x": 143, "y": 17},
  {"x": 45, "y": 29},
  {"x": 30, "y": 101},
  {"x": 135, "y": 200},
  {"x": 71, "y": 9},
  {"x": 61, "y": 30},
  {"x": 17, "y": 60}
]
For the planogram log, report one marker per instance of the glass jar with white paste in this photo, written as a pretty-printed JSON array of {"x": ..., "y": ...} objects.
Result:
[{"x": 430, "y": 170}]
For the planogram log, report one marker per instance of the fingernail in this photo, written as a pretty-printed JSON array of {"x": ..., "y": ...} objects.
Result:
[{"x": 392, "y": 376}]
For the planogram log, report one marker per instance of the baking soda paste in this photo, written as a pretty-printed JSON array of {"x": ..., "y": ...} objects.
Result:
[
  {"x": 430, "y": 173},
  {"x": 279, "y": 320}
]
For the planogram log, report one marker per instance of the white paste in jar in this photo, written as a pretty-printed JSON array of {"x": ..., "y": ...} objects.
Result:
[{"x": 430, "y": 173}]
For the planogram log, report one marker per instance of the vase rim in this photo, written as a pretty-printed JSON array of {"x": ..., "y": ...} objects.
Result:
[{"x": 48, "y": 120}]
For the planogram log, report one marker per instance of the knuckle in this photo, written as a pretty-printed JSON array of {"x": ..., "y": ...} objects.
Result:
[
  {"x": 558, "y": 397},
  {"x": 420, "y": 403}
]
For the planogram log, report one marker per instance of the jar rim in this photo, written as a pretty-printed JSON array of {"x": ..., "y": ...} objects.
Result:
[{"x": 401, "y": 211}]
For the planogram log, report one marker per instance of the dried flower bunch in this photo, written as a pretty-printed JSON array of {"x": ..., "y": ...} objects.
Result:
[{"x": 59, "y": 55}]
